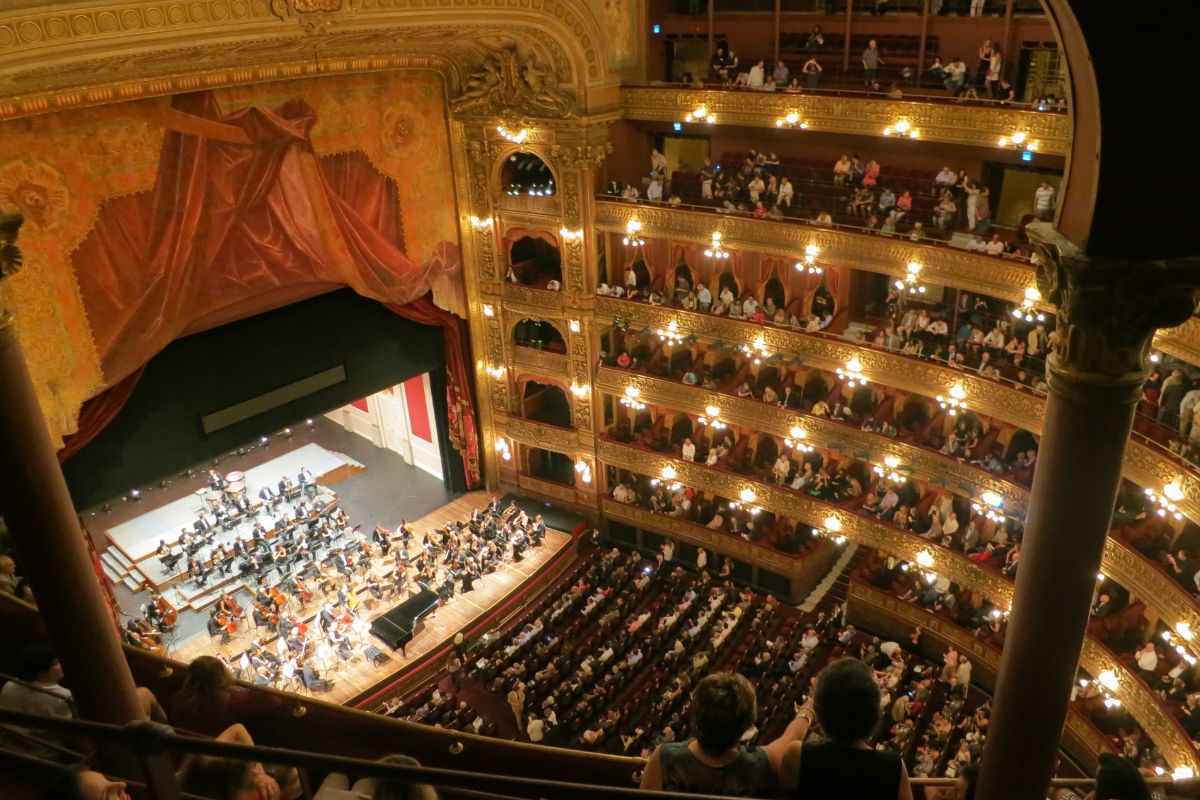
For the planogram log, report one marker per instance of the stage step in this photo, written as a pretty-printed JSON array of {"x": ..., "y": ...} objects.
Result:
[
  {"x": 119, "y": 557},
  {"x": 132, "y": 583},
  {"x": 113, "y": 564},
  {"x": 110, "y": 573}
]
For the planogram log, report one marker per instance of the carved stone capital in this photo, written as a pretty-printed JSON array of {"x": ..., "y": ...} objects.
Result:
[
  {"x": 1108, "y": 312},
  {"x": 591, "y": 156},
  {"x": 10, "y": 256}
]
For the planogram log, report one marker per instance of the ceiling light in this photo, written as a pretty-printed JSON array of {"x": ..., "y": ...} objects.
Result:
[
  {"x": 910, "y": 282},
  {"x": 632, "y": 228},
  {"x": 632, "y": 393},
  {"x": 852, "y": 374},
  {"x": 716, "y": 249},
  {"x": 516, "y": 137}
]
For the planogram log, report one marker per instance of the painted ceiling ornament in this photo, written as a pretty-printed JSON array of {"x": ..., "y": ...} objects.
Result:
[
  {"x": 315, "y": 16},
  {"x": 510, "y": 86},
  {"x": 37, "y": 190},
  {"x": 396, "y": 132},
  {"x": 10, "y": 253}
]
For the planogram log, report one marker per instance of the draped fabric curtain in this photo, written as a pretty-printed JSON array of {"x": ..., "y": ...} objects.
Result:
[
  {"x": 98, "y": 412},
  {"x": 243, "y": 218}
]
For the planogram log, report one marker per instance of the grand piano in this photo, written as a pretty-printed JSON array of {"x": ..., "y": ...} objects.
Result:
[{"x": 396, "y": 627}]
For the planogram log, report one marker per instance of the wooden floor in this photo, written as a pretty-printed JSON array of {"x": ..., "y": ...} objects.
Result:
[{"x": 351, "y": 678}]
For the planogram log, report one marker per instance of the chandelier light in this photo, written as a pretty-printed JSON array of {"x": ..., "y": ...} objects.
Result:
[
  {"x": 925, "y": 559},
  {"x": 516, "y": 137},
  {"x": 632, "y": 229},
  {"x": 1166, "y": 500},
  {"x": 852, "y": 373},
  {"x": 480, "y": 224},
  {"x": 1019, "y": 140},
  {"x": 700, "y": 114},
  {"x": 1028, "y": 310},
  {"x": 580, "y": 389},
  {"x": 955, "y": 402},
  {"x": 809, "y": 263},
  {"x": 489, "y": 310},
  {"x": 792, "y": 120},
  {"x": 890, "y": 470},
  {"x": 990, "y": 505},
  {"x": 910, "y": 282},
  {"x": 584, "y": 470},
  {"x": 795, "y": 440},
  {"x": 632, "y": 393},
  {"x": 503, "y": 449},
  {"x": 902, "y": 128},
  {"x": 496, "y": 372},
  {"x": 716, "y": 249},
  {"x": 669, "y": 473},
  {"x": 757, "y": 349},
  {"x": 671, "y": 334},
  {"x": 710, "y": 418},
  {"x": 571, "y": 235},
  {"x": 574, "y": 325}
]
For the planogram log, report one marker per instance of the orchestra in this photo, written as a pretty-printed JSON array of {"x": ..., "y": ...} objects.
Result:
[{"x": 313, "y": 549}]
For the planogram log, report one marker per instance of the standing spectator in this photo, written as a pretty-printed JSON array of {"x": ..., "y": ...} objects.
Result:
[
  {"x": 786, "y": 192},
  {"x": 1043, "y": 200},
  {"x": 720, "y": 65},
  {"x": 871, "y": 62},
  {"x": 516, "y": 701},
  {"x": 815, "y": 41},
  {"x": 983, "y": 211},
  {"x": 972, "y": 204},
  {"x": 454, "y": 667},
  {"x": 780, "y": 74},
  {"x": 977, "y": 7},
  {"x": 812, "y": 73},
  {"x": 985, "y": 61},
  {"x": 848, "y": 706},
  {"x": 993, "y": 74},
  {"x": 706, "y": 180},
  {"x": 757, "y": 75},
  {"x": 658, "y": 164},
  {"x": 536, "y": 729},
  {"x": 701, "y": 559}
]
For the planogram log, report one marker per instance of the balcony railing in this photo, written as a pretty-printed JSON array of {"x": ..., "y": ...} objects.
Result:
[{"x": 978, "y": 125}]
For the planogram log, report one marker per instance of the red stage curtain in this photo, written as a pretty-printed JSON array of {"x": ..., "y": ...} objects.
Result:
[
  {"x": 244, "y": 218},
  {"x": 98, "y": 412}
]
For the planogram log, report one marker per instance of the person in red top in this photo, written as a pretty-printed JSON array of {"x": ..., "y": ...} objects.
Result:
[{"x": 210, "y": 702}]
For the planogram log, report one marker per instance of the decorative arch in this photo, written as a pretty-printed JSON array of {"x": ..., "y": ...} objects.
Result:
[
  {"x": 556, "y": 325},
  {"x": 504, "y": 159}
]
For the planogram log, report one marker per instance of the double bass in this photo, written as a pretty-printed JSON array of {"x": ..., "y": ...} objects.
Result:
[
  {"x": 168, "y": 616},
  {"x": 305, "y": 593},
  {"x": 227, "y": 623}
]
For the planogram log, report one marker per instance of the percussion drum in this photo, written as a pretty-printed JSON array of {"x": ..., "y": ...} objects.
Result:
[
  {"x": 236, "y": 489},
  {"x": 235, "y": 477},
  {"x": 214, "y": 499}
]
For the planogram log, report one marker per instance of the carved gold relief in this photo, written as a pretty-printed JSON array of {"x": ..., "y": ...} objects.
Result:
[
  {"x": 938, "y": 122},
  {"x": 547, "y": 437}
]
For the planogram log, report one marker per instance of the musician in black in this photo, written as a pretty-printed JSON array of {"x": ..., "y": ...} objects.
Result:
[
  {"x": 537, "y": 533},
  {"x": 306, "y": 480},
  {"x": 201, "y": 525},
  {"x": 268, "y": 494},
  {"x": 284, "y": 486},
  {"x": 216, "y": 481},
  {"x": 382, "y": 537}
]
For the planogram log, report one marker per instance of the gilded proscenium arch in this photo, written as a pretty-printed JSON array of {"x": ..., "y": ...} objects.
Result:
[
  {"x": 724, "y": 544},
  {"x": 1138, "y": 699},
  {"x": 53, "y": 58},
  {"x": 998, "y": 277},
  {"x": 980, "y": 126},
  {"x": 1120, "y": 562},
  {"x": 756, "y": 415},
  {"x": 1082, "y": 737},
  {"x": 1143, "y": 465},
  {"x": 1001, "y": 278}
]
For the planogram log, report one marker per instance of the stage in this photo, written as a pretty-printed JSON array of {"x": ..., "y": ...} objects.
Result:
[{"x": 462, "y": 612}]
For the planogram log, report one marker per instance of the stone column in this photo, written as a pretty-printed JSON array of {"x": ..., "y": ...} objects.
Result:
[
  {"x": 41, "y": 518},
  {"x": 1108, "y": 311}
]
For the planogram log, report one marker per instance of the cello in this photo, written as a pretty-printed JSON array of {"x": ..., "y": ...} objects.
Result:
[
  {"x": 305, "y": 593},
  {"x": 168, "y": 615},
  {"x": 227, "y": 623}
]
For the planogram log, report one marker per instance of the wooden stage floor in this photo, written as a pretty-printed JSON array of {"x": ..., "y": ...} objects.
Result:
[{"x": 356, "y": 676}]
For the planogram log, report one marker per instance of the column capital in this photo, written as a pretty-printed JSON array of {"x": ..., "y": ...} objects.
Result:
[
  {"x": 1108, "y": 311},
  {"x": 10, "y": 256}
]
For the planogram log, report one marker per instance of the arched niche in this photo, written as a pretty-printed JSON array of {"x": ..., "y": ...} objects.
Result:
[
  {"x": 534, "y": 258},
  {"x": 539, "y": 334},
  {"x": 545, "y": 401},
  {"x": 524, "y": 173}
]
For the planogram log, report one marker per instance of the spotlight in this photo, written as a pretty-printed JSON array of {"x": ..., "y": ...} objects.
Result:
[
  {"x": 135, "y": 494},
  {"x": 162, "y": 484},
  {"x": 308, "y": 422},
  {"x": 106, "y": 507},
  {"x": 287, "y": 432},
  {"x": 241, "y": 451},
  {"x": 263, "y": 441}
]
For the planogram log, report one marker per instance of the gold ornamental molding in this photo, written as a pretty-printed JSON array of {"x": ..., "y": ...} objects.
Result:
[
  {"x": 722, "y": 543},
  {"x": 1083, "y": 737},
  {"x": 1121, "y": 562},
  {"x": 555, "y": 491},
  {"x": 940, "y": 264},
  {"x": 1182, "y": 342},
  {"x": 539, "y": 362},
  {"x": 55, "y": 56},
  {"x": 1142, "y": 704},
  {"x": 938, "y": 122},
  {"x": 532, "y": 302},
  {"x": 1144, "y": 465},
  {"x": 753, "y": 414},
  {"x": 541, "y": 435}
]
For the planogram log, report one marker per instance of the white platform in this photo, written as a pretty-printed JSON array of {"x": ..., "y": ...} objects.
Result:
[{"x": 139, "y": 537}]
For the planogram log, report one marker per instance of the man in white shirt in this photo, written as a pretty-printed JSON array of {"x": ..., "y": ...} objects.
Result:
[
  {"x": 757, "y": 76},
  {"x": 689, "y": 450},
  {"x": 749, "y": 307},
  {"x": 1043, "y": 199},
  {"x": 996, "y": 246},
  {"x": 786, "y": 192},
  {"x": 654, "y": 191},
  {"x": 946, "y": 178},
  {"x": 1147, "y": 659},
  {"x": 536, "y": 729},
  {"x": 704, "y": 298},
  {"x": 658, "y": 163}
]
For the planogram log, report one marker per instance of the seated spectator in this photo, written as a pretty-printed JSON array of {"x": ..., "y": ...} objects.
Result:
[
  {"x": 723, "y": 709},
  {"x": 848, "y": 706},
  {"x": 231, "y": 779},
  {"x": 209, "y": 701},
  {"x": 337, "y": 786}
]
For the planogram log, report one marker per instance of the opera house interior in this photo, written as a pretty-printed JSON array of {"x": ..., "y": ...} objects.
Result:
[{"x": 588, "y": 398}]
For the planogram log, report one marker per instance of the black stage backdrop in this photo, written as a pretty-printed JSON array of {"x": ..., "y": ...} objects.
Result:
[{"x": 158, "y": 432}]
